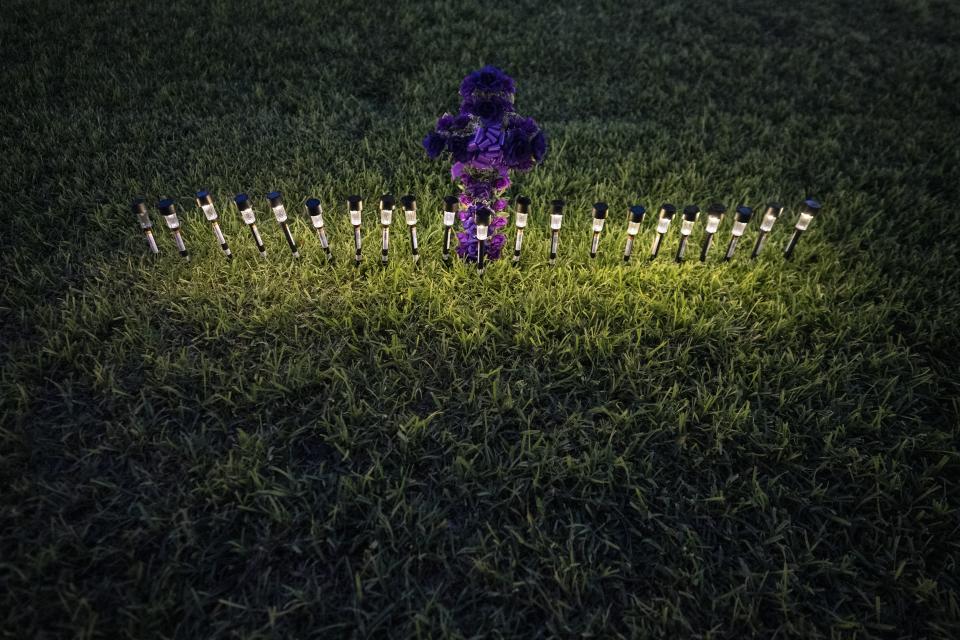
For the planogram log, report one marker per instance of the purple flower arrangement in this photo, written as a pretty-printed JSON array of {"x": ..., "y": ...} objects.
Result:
[{"x": 485, "y": 140}]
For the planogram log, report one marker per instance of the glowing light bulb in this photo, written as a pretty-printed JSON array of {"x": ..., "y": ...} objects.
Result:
[
  {"x": 205, "y": 202},
  {"x": 409, "y": 204},
  {"x": 556, "y": 219},
  {"x": 482, "y": 218},
  {"x": 139, "y": 208},
  {"x": 280, "y": 213},
  {"x": 451, "y": 204},
  {"x": 523, "y": 210},
  {"x": 740, "y": 220},
  {"x": 599, "y": 217},
  {"x": 169, "y": 212},
  {"x": 315, "y": 211},
  {"x": 387, "y": 203},
  {"x": 690, "y": 214},
  {"x": 637, "y": 213},
  {"x": 663, "y": 223},
  {"x": 714, "y": 217},
  {"x": 355, "y": 206},
  {"x": 808, "y": 211},
  {"x": 250, "y": 219},
  {"x": 766, "y": 224}
]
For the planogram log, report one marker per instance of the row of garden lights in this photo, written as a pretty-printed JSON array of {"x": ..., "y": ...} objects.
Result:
[{"x": 715, "y": 214}]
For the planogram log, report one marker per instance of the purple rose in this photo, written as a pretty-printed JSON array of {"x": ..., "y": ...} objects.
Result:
[
  {"x": 495, "y": 245},
  {"x": 487, "y": 80},
  {"x": 444, "y": 123},
  {"x": 458, "y": 146},
  {"x": 434, "y": 144},
  {"x": 490, "y": 109},
  {"x": 516, "y": 147}
]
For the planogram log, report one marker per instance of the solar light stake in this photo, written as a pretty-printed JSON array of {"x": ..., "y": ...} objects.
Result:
[
  {"x": 637, "y": 213},
  {"x": 666, "y": 215},
  {"x": 690, "y": 214},
  {"x": 355, "y": 205},
  {"x": 483, "y": 228},
  {"x": 316, "y": 218},
  {"x": 139, "y": 208},
  {"x": 523, "y": 210},
  {"x": 556, "y": 219},
  {"x": 250, "y": 219},
  {"x": 599, "y": 217},
  {"x": 386, "y": 218},
  {"x": 409, "y": 204},
  {"x": 740, "y": 220},
  {"x": 205, "y": 202},
  {"x": 280, "y": 212},
  {"x": 450, "y": 206},
  {"x": 169, "y": 212},
  {"x": 714, "y": 217},
  {"x": 809, "y": 211},
  {"x": 769, "y": 217}
]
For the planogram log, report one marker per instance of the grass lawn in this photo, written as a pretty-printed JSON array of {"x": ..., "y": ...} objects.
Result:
[{"x": 279, "y": 448}]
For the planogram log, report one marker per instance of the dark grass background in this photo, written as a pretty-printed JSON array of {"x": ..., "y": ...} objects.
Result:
[{"x": 279, "y": 449}]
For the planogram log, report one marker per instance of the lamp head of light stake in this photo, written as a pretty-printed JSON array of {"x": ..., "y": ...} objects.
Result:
[
  {"x": 387, "y": 203},
  {"x": 667, "y": 211},
  {"x": 275, "y": 198},
  {"x": 246, "y": 211},
  {"x": 409, "y": 204},
  {"x": 556, "y": 220},
  {"x": 451, "y": 204},
  {"x": 773, "y": 211},
  {"x": 482, "y": 219},
  {"x": 715, "y": 214},
  {"x": 483, "y": 223},
  {"x": 523, "y": 210},
  {"x": 741, "y": 218},
  {"x": 249, "y": 218},
  {"x": 139, "y": 209},
  {"x": 690, "y": 214},
  {"x": 556, "y": 214},
  {"x": 205, "y": 202},
  {"x": 599, "y": 217},
  {"x": 315, "y": 211},
  {"x": 637, "y": 213},
  {"x": 770, "y": 216},
  {"x": 168, "y": 209},
  {"x": 808, "y": 211},
  {"x": 169, "y": 212},
  {"x": 355, "y": 206}
]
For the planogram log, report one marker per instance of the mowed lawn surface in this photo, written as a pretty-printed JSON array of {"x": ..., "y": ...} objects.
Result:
[{"x": 280, "y": 448}]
